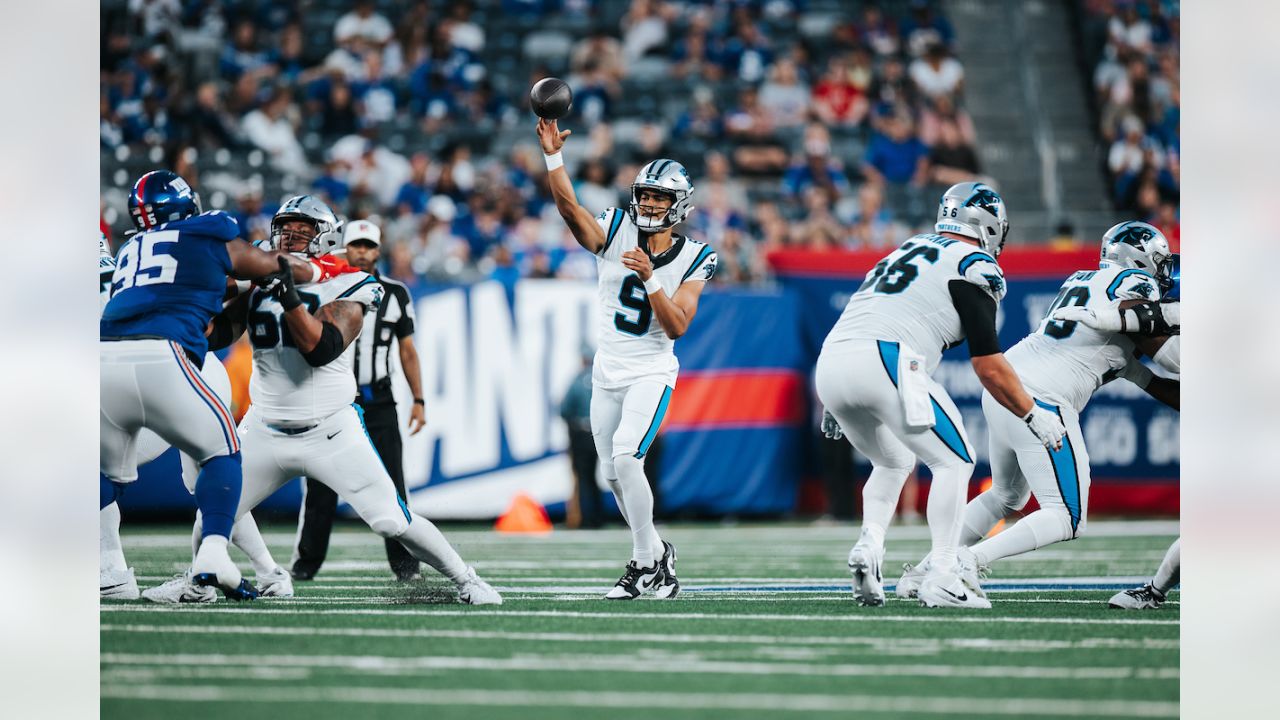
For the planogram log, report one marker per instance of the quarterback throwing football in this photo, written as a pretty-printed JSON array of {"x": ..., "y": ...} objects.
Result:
[{"x": 650, "y": 282}]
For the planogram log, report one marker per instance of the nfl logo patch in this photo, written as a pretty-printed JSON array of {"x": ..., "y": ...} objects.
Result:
[{"x": 915, "y": 365}]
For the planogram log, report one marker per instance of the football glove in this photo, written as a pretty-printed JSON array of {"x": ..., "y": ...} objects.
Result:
[
  {"x": 1046, "y": 426},
  {"x": 285, "y": 290},
  {"x": 331, "y": 267},
  {"x": 830, "y": 427}
]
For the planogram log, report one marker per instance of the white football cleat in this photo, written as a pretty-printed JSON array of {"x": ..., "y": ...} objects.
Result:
[
  {"x": 864, "y": 565},
  {"x": 180, "y": 589},
  {"x": 277, "y": 583},
  {"x": 474, "y": 591},
  {"x": 946, "y": 589},
  {"x": 213, "y": 567},
  {"x": 971, "y": 572},
  {"x": 1146, "y": 597},
  {"x": 912, "y": 575},
  {"x": 117, "y": 585}
]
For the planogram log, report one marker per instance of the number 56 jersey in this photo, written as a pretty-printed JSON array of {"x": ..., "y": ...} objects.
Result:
[
  {"x": 285, "y": 388},
  {"x": 631, "y": 344},
  {"x": 907, "y": 297},
  {"x": 1064, "y": 362}
]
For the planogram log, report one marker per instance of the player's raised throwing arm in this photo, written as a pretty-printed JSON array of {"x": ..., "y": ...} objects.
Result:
[{"x": 581, "y": 222}]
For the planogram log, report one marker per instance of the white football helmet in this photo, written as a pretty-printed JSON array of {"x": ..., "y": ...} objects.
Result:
[
  {"x": 1134, "y": 244},
  {"x": 665, "y": 176},
  {"x": 309, "y": 208},
  {"x": 976, "y": 211}
]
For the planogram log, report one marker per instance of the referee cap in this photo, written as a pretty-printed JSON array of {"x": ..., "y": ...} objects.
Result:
[{"x": 362, "y": 230}]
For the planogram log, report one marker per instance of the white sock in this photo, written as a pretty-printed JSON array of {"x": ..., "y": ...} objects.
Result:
[
  {"x": 1045, "y": 526},
  {"x": 983, "y": 512},
  {"x": 246, "y": 536},
  {"x": 110, "y": 550},
  {"x": 424, "y": 541},
  {"x": 880, "y": 500},
  {"x": 947, "y": 493},
  {"x": 646, "y": 545},
  {"x": 1170, "y": 569},
  {"x": 616, "y": 488}
]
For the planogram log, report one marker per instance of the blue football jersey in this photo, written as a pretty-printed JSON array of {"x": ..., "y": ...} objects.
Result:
[{"x": 169, "y": 282}]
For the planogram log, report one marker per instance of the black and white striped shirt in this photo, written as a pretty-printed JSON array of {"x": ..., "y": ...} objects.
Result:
[{"x": 392, "y": 320}]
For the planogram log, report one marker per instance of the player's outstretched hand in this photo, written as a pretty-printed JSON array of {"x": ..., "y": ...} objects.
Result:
[
  {"x": 1106, "y": 322},
  {"x": 638, "y": 262},
  {"x": 286, "y": 291},
  {"x": 550, "y": 136},
  {"x": 1046, "y": 426},
  {"x": 830, "y": 426}
]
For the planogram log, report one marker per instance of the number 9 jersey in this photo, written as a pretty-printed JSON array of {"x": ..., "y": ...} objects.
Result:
[
  {"x": 631, "y": 343},
  {"x": 1063, "y": 361},
  {"x": 169, "y": 282},
  {"x": 907, "y": 297}
]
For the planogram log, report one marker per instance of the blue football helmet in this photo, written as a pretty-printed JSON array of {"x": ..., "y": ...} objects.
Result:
[
  {"x": 159, "y": 197},
  {"x": 1174, "y": 293}
]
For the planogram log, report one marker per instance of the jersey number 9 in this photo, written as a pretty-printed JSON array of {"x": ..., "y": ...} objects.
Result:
[{"x": 633, "y": 296}]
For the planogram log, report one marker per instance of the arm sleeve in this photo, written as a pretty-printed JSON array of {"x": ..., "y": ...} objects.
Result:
[
  {"x": 977, "y": 310},
  {"x": 404, "y": 326},
  {"x": 610, "y": 221}
]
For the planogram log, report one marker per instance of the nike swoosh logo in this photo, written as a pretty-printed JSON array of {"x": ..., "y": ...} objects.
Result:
[
  {"x": 105, "y": 588},
  {"x": 961, "y": 597},
  {"x": 330, "y": 437}
]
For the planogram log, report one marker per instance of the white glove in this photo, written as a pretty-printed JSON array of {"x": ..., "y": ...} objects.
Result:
[
  {"x": 830, "y": 427},
  {"x": 1046, "y": 426},
  {"x": 1106, "y": 322}
]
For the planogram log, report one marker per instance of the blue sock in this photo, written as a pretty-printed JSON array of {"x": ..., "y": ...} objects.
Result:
[
  {"x": 218, "y": 494},
  {"x": 108, "y": 491}
]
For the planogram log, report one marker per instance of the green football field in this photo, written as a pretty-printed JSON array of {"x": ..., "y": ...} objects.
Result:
[{"x": 765, "y": 627}]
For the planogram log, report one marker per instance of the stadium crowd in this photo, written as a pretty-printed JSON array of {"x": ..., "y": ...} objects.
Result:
[
  {"x": 1137, "y": 94},
  {"x": 800, "y": 128}
]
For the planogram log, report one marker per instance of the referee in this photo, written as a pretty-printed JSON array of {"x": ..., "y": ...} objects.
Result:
[{"x": 392, "y": 322}]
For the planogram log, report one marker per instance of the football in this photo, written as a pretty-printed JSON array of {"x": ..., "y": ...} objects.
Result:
[{"x": 551, "y": 98}]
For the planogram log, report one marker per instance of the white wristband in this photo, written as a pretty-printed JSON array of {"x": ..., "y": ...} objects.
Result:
[
  {"x": 315, "y": 273},
  {"x": 652, "y": 285},
  {"x": 554, "y": 161}
]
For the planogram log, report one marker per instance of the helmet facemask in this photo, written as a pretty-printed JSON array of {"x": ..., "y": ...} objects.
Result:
[
  {"x": 644, "y": 220},
  {"x": 307, "y": 209}
]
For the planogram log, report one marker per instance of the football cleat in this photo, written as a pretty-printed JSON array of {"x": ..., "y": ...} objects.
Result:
[
  {"x": 971, "y": 572},
  {"x": 668, "y": 586},
  {"x": 213, "y": 568},
  {"x": 180, "y": 589},
  {"x": 912, "y": 575},
  {"x": 117, "y": 585},
  {"x": 277, "y": 583},
  {"x": 948, "y": 590},
  {"x": 634, "y": 581},
  {"x": 864, "y": 564},
  {"x": 474, "y": 591},
  {"x": 1146, "y": 597}
]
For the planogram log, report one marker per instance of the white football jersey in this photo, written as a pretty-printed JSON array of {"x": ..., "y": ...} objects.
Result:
[
  {"x": 284, "y": 388},
  {"x": 631, "y": 342},
  {"x": 907, "y": 298},
  {"x": 1064, "y": 362}
]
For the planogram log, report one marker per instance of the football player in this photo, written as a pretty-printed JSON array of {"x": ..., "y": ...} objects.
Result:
[
  {"x": 167, "y": 285},
  {"x": 650, "y": 280},
  {"x": 303, "y": 420},
  {"x": 1157, "y": 330},
  {"x": 1063, "y": 363},
  {"x": 873, "y": 377}
]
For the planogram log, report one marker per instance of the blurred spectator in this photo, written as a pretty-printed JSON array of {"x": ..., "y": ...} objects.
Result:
[
  {"x": 375, "y": 173},
  {"x": 1129, "y": 30},
  {"x": 896, "y": 156},
  {"x": 952, "y": 160},
  {"x": 332, "y": 186},
  {"x": 254, "y": 219},
  {"x": 746, "y": 53},
  {"x": 937, "y": 74},
  {"x": 287, "y": 55},
  {"x": 840, "y": 97},
  {"x": 784, "y": 96},
  {"x": 600, "y": 49},
  {"x": 872, "y": 224},
  {"x": 1126, "y": 158},
  {"x": 594, "y": 188},
  {"x": 593, "y": 94},
  {"x": 819, "y": 229},
  {"x": 242, "y": 55},
  {"x": 701, "y": 120},
  {"x": 716, "y": 173},
  {"x": 874, "y": 31},
  {"x": 210, "y": 125},
  {"x": 363, "y": 25},
  {"x": 1166, "y": 221},
  {"x": 374, "y": 91},
  {"x": 768, "y": 224},
  {"x": 416, "y": 191},
  {"x": 463, "y": 32},
  {"x": 892, "y": 91},
  {"x": 1064, "y": 237},
  {"x": 644, "y": 27},
  {"x": 815, "y": 167},
  {"x": 715, "y": 216},
  {"x": 696, "y": 54},
  {"x": 338, "y": 110},
  {"x": 482, "y": 230},
  {"x": 751, "y": 128},
  {"x": 923, "y": 27},
  {"x": 272, "y": 128},
  {"x": 943, "y": 110}
]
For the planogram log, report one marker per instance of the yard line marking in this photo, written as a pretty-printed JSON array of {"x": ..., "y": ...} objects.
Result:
[
  {"x": 870, "y": 616},
  {"x": 668, "y": 665},
  {"x": 667, "y": 699},
  {"x": 903, "y": 645}
]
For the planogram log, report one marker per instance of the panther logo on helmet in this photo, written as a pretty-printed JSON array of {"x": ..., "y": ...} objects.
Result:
[{"x": 1140, "y": 246}]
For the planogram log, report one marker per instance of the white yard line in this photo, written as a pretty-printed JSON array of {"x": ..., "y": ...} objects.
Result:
[
  {"x": 664, "y": 664},
  {"x": 667, "y": 699},
  {"x": 893, "y": 645},
  {"x": 409, "y": 610}
]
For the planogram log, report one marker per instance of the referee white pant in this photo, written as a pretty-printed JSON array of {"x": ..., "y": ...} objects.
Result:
[
  {"x": 152, "y": 384},
  {"x": 857, "y": 382}
]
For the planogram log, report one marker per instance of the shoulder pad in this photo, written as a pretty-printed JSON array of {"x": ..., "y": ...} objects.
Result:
[
  {"x": 981, "y": 269},
  {"x": 703, "y": 266},
  {"x": 610, "y": 221},
  {"x": 214, "y": 223},
  {"x": 361, "y": 287},
  {"x": 1133, "y": 284}
]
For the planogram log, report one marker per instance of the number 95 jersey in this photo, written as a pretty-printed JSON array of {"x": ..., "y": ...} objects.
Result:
[
  {"x": 286, "y": 390},
  {"x": 631, "y": 344},
  {"x": 907, "y": 297},
  {"x": 1064, "y": 362}
]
